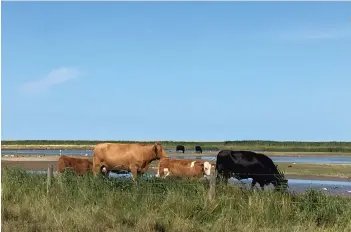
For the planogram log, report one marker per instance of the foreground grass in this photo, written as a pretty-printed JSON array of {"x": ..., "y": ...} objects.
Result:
[
  {"x": 88, "y": 204},
  {"x": 258, "y": 145},
  {"x": 326, "y": 170}
]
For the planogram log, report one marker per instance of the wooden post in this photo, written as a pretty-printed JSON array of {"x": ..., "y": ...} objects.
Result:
[
  {"x": 50, "y": 174},
  {"x": 212, "y": 190},
  {"x": 59, "y": 179}
]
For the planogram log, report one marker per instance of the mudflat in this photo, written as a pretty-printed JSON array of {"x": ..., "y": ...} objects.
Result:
[{"x": 293, "y": 171}]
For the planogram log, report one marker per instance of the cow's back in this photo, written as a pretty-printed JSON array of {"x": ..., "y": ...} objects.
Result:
[
  {"x": 119, "y": 156},
  {"x": 112, "y": 151}
]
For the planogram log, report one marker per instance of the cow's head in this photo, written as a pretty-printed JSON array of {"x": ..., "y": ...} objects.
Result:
[
  {"x": 280, "y": 182},
  {"x": 206, "y": 166},
  {"x": 104, "y": 171},
  {"x": 281, "y": 185},
  {"x": 159, "y": 151}
]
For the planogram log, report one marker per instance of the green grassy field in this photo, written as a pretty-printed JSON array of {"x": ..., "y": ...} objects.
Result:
[
  {"x": 246, "y": 145},
  {"x": 88, "y": 204}
]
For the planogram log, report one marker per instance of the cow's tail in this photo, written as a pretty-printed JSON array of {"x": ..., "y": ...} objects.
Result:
[{"x": 61, "y": 164}]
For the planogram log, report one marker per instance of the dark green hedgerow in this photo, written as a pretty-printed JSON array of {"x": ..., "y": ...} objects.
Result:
[{"x": 244, "y": 145}]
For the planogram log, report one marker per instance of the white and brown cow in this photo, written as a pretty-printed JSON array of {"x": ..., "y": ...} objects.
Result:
[{"x": 183, "y": 168}]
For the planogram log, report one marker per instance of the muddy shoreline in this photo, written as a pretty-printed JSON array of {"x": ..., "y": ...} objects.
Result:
[
  {"x": 42, "y": 163},
  {"x": 172, "y": 153}
]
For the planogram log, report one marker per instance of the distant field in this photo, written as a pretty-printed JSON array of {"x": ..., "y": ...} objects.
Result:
[{"x": 257, "y": 145}]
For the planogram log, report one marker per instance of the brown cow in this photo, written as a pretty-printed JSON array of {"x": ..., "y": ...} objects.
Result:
[
  {"x": 183, "y": 167},
  {"x": 78, "y": 164},
  {"x": 134, "y": 158}
]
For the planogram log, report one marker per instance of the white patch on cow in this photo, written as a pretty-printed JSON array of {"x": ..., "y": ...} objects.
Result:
[
  {"x": 207, "y": 168},
  {"x": 192, "y": 164},
  {"x": 166, "y": 172},
  {"x": 104, "y": 169},
  {"x": 158, "y": 173}
]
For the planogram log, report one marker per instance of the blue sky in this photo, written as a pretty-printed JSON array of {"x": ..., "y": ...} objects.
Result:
[{"x": 176, "y": 70}]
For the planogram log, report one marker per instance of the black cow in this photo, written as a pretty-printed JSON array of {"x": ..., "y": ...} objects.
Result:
[
  {"x": 248, "y": 164},
  {"x": 180, "y": 148},
  {"x": 198, "y": 149}
]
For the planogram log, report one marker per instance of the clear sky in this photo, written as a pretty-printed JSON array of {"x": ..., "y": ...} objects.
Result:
[{"x": 176, "y": 70}]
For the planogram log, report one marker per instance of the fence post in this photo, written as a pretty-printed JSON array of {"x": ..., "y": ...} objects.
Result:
[
  {"x": 212, "y": 190},
  {"x": 50, "y": 174}
]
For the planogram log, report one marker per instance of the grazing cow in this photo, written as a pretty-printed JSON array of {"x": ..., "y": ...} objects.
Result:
[
  {"x": 180, "y": 148},
  {"x": 248, "y": 164},
  {"x": 182, "y": 167},
  {"x": 78, "y": 164},
  {"x": 198, "y": 149},
  {"x": 134, "y": 158}
]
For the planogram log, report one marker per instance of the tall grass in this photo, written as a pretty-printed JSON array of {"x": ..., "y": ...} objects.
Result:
[
  {"x": 89, "y": 204},
  {"x": 291, "y": 146}
]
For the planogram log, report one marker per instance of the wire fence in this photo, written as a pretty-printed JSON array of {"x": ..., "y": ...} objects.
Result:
[
  {"x": 115, "y": 174},
  {"x": 205, "y": 188},
  {"x": 155, "y": 183}
]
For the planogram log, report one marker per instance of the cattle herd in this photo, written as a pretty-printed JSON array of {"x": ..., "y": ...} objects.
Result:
[
  {"x": 182, "y": 148},
  {"x": 136, "y": 158}
]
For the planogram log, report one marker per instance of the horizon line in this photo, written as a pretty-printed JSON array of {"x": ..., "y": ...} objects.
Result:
[{"x": 201, "y": 141}]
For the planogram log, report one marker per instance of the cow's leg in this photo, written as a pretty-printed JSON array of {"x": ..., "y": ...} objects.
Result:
[
  {"x": 226, "y": 177},
  {"x": 105, "y": 171},
  {"x": 160, "y": 171},
  {"x": 134, "y": 171},
  {"x": 140, "y": 173},
  {"x": 222, "y": 177},
  {"x": 262, "y": 185},
  {"x": 253, "y": 183},
  {"x": 218, "y": 177},
  {"x": 96, "y": 166},
  {"x": 145, "y": 169},
  {"x": 167, "y": 172}
]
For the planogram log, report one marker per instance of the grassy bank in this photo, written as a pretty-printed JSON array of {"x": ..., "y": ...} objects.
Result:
[
  {"x": 245, "y": 145},
  {"x": 317, "y": 170},
  {"x": 88, "y": 204}
]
